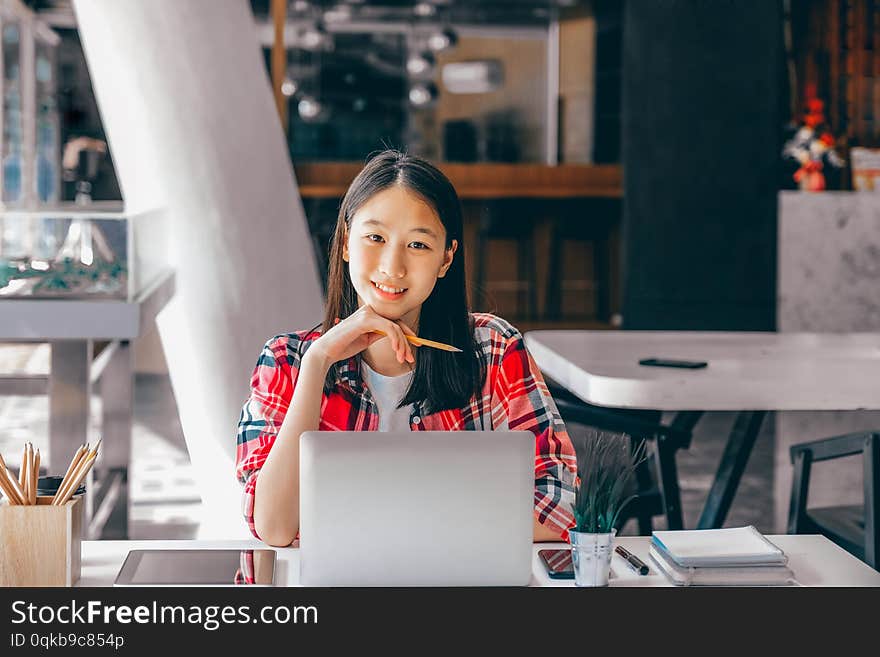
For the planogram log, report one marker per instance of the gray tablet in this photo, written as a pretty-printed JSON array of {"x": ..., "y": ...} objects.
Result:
[{"x": 198, "y": 567}]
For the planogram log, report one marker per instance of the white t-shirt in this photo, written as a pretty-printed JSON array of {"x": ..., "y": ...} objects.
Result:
[{"x": 387, "y": 392}]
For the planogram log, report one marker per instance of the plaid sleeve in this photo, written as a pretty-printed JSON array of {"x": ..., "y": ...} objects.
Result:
[
  {"x": 261, "y": 417},
  {"x": 520, "y": 396}
]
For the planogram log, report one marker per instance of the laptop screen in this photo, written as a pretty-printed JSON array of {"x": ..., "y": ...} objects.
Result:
[{"x": 416, "y": 508}]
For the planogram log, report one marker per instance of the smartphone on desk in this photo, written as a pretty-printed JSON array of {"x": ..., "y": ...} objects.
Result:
[{"x": 557, "y": 563}]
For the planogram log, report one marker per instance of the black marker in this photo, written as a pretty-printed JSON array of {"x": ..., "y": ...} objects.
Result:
[{"x": 635, "y": 563}]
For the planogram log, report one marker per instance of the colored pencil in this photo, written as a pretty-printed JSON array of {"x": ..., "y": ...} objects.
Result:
[
  {"x": 77, "y": 479},
  {"x": 11, "y": 482},
  {"x": 21, "y": 470},
  {"x": 24, "y": 475},
  {"x": 72, "y": 481},
  {"x": 8, "y": 491},
  {"x": 74, "y": 461},
  {"x": 35, "y": 477}
]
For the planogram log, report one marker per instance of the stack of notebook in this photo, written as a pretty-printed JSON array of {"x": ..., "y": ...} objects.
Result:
[{"x": 735, "y": 556}]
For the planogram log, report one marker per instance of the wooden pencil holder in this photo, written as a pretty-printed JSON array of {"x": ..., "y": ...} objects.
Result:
[{"x": 41, "y": 545}]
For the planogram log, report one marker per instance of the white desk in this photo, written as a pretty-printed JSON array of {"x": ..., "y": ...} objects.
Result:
[
  {"x": 747, "y": 372},
  {"x": 815, "y": 561},
  {"x": 752, "y": 371}
]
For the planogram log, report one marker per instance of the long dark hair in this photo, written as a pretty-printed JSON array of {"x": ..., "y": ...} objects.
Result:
[{"x": 442, "y": 380}]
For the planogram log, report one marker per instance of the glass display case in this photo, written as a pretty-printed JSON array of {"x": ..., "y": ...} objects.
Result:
[
  {"x": 30, "y": 174},
  {"x": 70, "y": 252}
]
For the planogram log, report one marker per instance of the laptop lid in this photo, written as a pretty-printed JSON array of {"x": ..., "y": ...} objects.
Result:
[{"x": 421, "y": 508}]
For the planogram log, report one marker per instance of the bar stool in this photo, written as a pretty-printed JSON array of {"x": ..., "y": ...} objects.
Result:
[
  {"x": 509, "y": 220},
  {"x": 585, "y": 221}
]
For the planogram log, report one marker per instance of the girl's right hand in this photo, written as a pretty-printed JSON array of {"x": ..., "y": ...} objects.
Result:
[{"x": 357, "y": 332}]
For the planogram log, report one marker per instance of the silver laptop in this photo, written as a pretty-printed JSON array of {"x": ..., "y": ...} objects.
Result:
[{"x": 422, "y": 508}]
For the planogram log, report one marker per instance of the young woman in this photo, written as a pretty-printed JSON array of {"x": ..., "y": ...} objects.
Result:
[{"x": 396, "y": 267}]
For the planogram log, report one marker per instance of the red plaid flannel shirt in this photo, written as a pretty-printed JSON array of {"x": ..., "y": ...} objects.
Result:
[{"x": 514, "y": 397}]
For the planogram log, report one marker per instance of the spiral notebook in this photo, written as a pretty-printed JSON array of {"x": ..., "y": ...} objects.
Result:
[{"x": 729, "y": 546}]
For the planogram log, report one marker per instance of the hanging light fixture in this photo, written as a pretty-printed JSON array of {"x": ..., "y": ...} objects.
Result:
[
  {"x": 309, "y": 108},
  {"x": 338, "y": 14},
  {"x": 300, "y": 6},
  {"x": 422, "y": 94},
  {"x": 314, "y": 37},
  {"x": 442, "y": 39},
  {"x": 420, "y": 63},
  {"x": 424, "y": 10},
  {"x": 289, "y": 87}
]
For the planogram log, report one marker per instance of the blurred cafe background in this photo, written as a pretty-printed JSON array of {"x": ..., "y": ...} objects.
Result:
[{"x": 622, "y": 164}]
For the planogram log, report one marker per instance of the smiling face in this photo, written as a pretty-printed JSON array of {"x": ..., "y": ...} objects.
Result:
[{"x": 396, "y": 251}]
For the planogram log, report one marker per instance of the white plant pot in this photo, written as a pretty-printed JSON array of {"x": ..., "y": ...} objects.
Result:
[{"x": 591, "y": 555}]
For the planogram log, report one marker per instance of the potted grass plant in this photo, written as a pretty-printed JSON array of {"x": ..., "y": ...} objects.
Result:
[{"x": 606, "y": 474}]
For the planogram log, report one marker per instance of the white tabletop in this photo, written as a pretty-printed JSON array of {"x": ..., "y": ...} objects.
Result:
[
  {"x": 815, "y": 561},
  {"x": 746, "y": 371},
  {"x": 39, "y": 320}
]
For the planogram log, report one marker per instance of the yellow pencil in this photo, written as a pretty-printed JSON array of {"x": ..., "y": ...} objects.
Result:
[
  {"x": 35, "y": 477},
  {"x": 24, "y": 475},
  {"x": 12, "y": 481},
  {"x": 21, "y": 470},
  {"x": 80, "y": 474},
  {"x": 71, "y": 482},
  {"x": 32, "y": 488},
  {"x": 68, "y": 484},
  {"x": 6, "y": 481},
  {"x": 73, "y": 463},
  {"x": 424, "y": 342},
  {"x": 7, "y": 491}
]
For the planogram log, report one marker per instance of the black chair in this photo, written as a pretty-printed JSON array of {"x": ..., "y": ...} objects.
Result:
[
  {"x": 657, "y": 477},
  {"x": 855, "y": 528}
]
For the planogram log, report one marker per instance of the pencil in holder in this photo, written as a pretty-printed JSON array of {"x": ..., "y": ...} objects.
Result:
[{"x": 41, "y": 545}]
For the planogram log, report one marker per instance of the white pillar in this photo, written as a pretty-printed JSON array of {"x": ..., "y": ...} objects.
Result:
[{"x": 189, "y": 115}]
